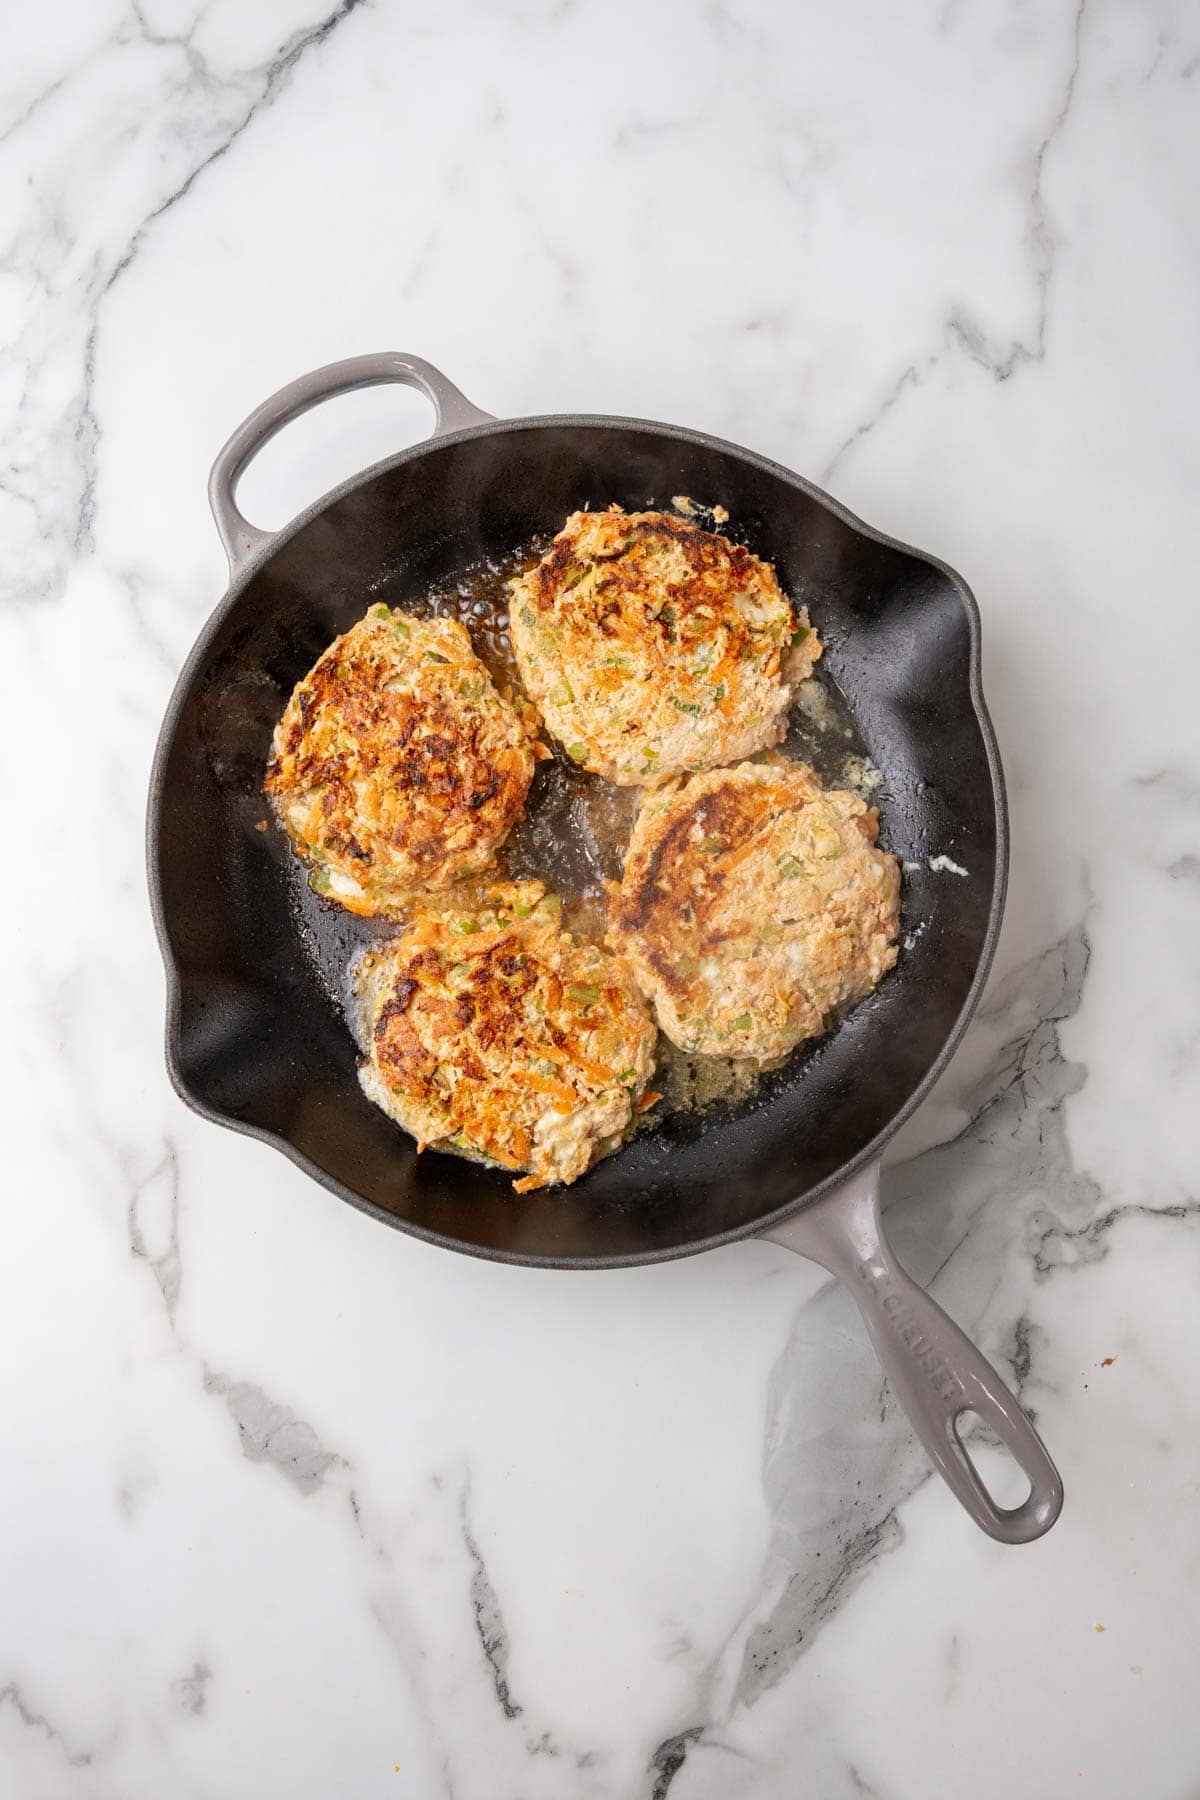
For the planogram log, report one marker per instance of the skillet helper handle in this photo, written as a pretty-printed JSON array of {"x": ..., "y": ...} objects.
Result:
[
  {"x": 936, "y": 1372},
  {"x": 452, "y": 412}
]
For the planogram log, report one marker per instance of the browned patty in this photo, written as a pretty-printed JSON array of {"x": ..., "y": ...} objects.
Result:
[
  {"x": 492, "y": 1031},
  {"x": 397, "y": 767},
  {"x": 650, "y": 646},
  {"x": 754, "y": 904}
]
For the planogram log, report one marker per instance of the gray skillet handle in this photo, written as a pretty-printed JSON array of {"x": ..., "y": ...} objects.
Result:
[
  {"x": 452, "y": 412},
  {"x": 936, "y": 1372}
]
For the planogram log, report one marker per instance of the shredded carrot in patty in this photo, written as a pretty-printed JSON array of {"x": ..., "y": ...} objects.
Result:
[
  {"x": 595, "y": 1071},
  {"x": 734, "y": 857},
  {"x": 542, "y": 1084}
]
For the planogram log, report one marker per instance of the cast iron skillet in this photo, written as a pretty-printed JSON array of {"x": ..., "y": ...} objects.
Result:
[{"x": 256, "y": 1041}]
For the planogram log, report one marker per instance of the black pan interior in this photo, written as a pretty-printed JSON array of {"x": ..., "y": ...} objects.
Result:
[{"x": 257, "y": 1040}]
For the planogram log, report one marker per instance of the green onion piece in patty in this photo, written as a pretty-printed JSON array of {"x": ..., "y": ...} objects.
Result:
[
  {"x": 582, "y": 994},
  {"x": 435, "y": 656},
  {"x": 552, "y": 904},
  {"x": 464, "y": 927},
  {"x": 380, "y": 612},
  {"x": 741, "y": 1023},
  {"x": 318, "y": 881},
  {"x": 560, "y": 694},
  {"x": 628, "y": 1078},
  {"x": 522, "y": 911},
  {"x": 577, "y": 752},
  {"x": 789, "y": 868},
  {"x": 798, "y": 637},
  {"x": 686, "y": 706}
]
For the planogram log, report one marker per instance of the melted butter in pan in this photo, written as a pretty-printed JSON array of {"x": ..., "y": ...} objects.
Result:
[{"x": 576, "y": 826}]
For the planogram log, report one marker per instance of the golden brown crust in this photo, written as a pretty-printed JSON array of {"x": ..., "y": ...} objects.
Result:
[
  {"x": 651, "y": 646},
  {"x": 397, "y": 766},
  {"x": 753, "y": 904},
  {"x": 493, "y": 1030}
]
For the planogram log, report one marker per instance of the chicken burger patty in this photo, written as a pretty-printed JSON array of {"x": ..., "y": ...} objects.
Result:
[
  {"x": 492, "y": 1032},
  {"x": 754, "y": 904},
  {"x": 397, "y": 767},
  {"x": 651, "y": 647}
]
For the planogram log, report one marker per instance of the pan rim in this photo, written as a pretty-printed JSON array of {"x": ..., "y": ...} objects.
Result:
[{"x": 759, "y": 1227}]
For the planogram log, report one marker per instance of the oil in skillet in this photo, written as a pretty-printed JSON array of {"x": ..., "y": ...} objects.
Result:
[{"x": 576, "y": 826}]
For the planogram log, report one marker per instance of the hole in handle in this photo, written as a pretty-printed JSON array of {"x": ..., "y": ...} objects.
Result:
[
  {"x": 1001, "y": 1474},
  {"x": 326, "y": 446}
]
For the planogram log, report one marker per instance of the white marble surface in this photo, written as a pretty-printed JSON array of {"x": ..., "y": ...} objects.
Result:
[{"x": 294, "y": 1506}]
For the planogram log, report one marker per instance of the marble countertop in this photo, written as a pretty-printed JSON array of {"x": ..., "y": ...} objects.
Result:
[{"x": 296, "y": 1506}]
